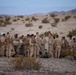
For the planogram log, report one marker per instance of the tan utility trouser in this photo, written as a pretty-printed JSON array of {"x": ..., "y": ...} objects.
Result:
[
  {"x": 50, "y": 50},
  {"x": 31, "y": 51},
  {"x": 9, "y": 50},
  {"x": 57, "y": 51}
]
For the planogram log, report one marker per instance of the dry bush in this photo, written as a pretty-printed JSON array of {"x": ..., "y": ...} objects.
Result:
[
  {"x": 45, "y": 20},
  {"x": 27, "y": 19},
  {"x": 34, "y": 19},
  {"x": 66, "y": 18},
  {"x": 26, "y": 63},
  {"x": 53, "y": 24},
  {"x": 53, "y": 15},
  {"x": 67, "y": 52},
  {"x": 56, "y": 20},
  {"x": 46, "y": 33},
  {"x": 4, "y": 22},
  {"x": 74, "y": 16},
  {"x": 73, "y": 33},
  {"x": 29, "y": 25},
  {"x": 18, "y": 18},
  {"x": 14, "y": 20},
  {"x": 40, "y": 27},
  {"x": 54, "y": 35},
  {"x": 21, "y": 16},
  {"x": 12, "y": 29}
]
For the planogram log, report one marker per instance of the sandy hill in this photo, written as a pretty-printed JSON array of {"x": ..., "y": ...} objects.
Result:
[{"x": 60, "y": 23}]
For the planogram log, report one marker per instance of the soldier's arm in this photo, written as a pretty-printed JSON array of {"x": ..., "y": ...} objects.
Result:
[{"x": 30, "y": 42}]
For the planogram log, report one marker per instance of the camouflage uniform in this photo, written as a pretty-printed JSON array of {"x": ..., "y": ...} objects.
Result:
[
  {"x": 43, "y": 42},
  {"x": 2, "y": 45},
  {"x": 50, "y": 48},
  {"x": 70, "y": 49},
  {"x": 9, "y": 47},
  {"x": 74, "y": 48},
  {"x": 57, "y": 44},
  {"x": 16, "y": 45},
  {"x": 26, "y": 46},
  {"x": 64, "y": 46},
  {"x": 38, "y": 44}
]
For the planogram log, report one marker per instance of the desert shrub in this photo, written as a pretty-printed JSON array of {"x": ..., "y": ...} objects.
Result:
[
  {"x": 53, "y": 24},
  {"x": 54, "y": 34},
  {"x": 29, "y": 25},
  {"x": 66, "y": 18},
  {"x": 73, "y": 33},
  {"x": 18, "y": 18},
  {"x": 67, "y": 52},
  {"x": 22, "y": 20},
  {"x": 45, "y": 20},
  {"x": 7, "y": 18},
  {"x": 12, "y": 28},
  {"x": 74, "y": 16},
  {"x": 7, "y": 22},
  {"x": 46, "y": 33},
  {"x": 26, "y": 63},
  {"x": 34, "y": 19},
  {"x": 4, "y": 22},
  {"x": 27, "y": 19},
  {"x": 53, "y": 15},
  {"x": 56, "y": 20},
  {"x": 14, "y": 20},
  {"x": 1, "y": 21},
  {"x": 21, "y": 16},
  {"x": 40, "y": 27}
]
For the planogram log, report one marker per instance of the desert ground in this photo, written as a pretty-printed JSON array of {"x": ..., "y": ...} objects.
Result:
[{"x": 50, "y": 66}]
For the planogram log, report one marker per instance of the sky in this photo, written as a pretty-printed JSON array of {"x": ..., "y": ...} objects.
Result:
[{"x": 26, "y": 7}]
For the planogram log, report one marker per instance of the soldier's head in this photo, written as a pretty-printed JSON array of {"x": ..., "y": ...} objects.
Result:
[
  {"x": 32, "y": 35},
  {"x": 16, "y": 35},
  {"x": 57, "y": 36},
  {"x": 63, "y": 38},
  {"x": 42, "y": 35},
  {"x": 50, "y": 35},
  {"x": 4, "y": 35},
  {"x": 7, "y": 33},
  {"x": 70, "y": 36},
  {"x": 28, "y": 35},
  {"x": 74, "y": 39},
  {"x": 37, "y": 33}
]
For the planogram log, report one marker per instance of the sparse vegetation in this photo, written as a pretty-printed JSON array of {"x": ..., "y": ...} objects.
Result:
[
  {"x": 46, "y": 33},
  {"x": 45, "y": 20},
  {"x": 21, "y": 16},
  {"x": 5, "y": 21},
  {"x": 66, "y": 18},
  {"x": 29, "y": 25},
  {"x": 40, "y": 27},
  {"x": 54, "y": 34},
  {"x": 27, "y": 19},
  {"x": 74, "y": 16},
  {"x": 53, "y": 24},
  {"x": 34, "y": 19},
  {"x": 73, "y": 33},
  {"x": 56, "y": 20},
  {"x": 18, "y": 18},
  {"x": 14, "y": 20},
  {"x": 12, "y": 28},
  {"x": 53, "y": 15},
  {"x": 26, "y": 63}
]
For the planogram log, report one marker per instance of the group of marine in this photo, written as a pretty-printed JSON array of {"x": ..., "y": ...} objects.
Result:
[{"x": 35, "y": 45}]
